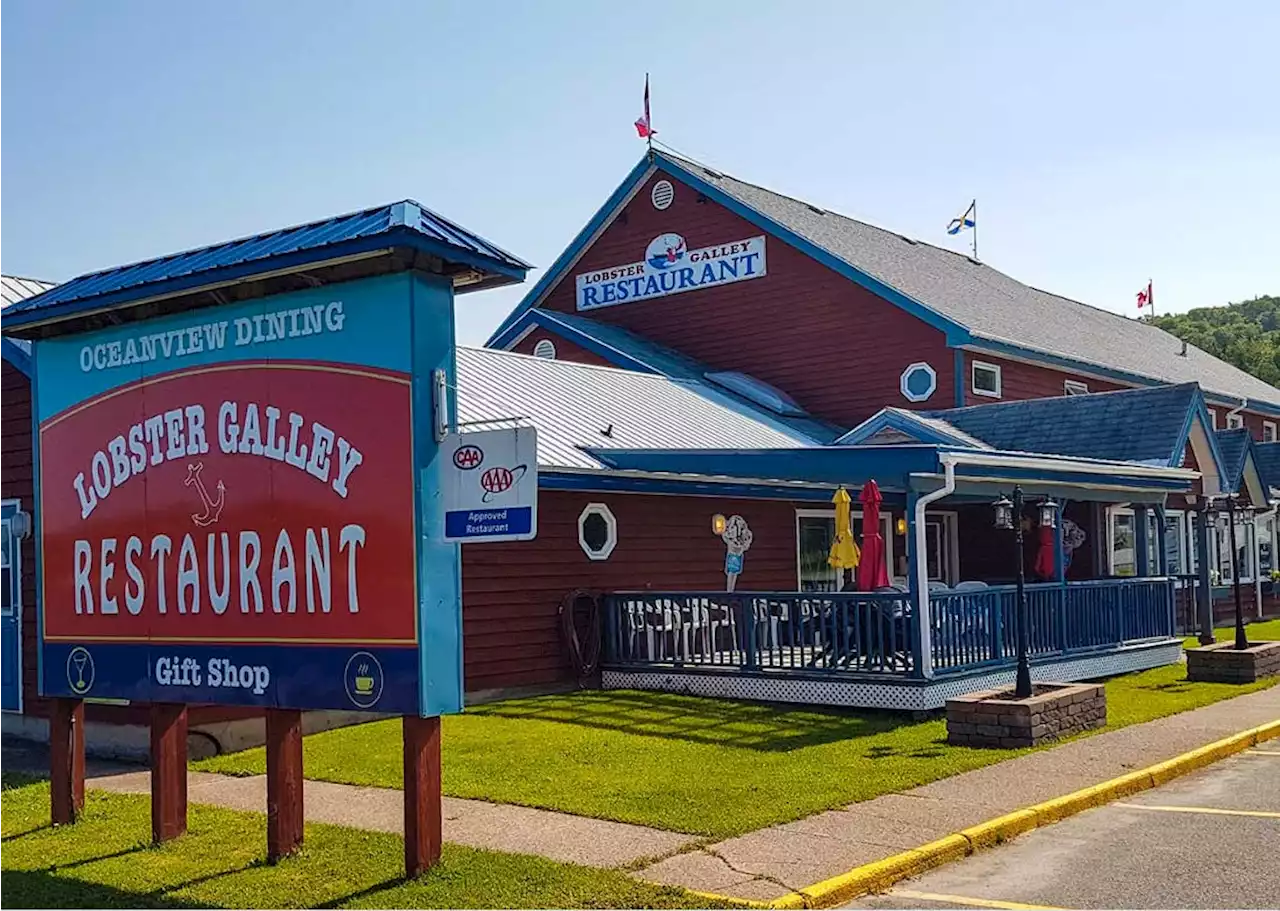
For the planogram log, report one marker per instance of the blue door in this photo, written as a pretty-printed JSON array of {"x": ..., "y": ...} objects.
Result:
[{"x": 12, "y": 526}]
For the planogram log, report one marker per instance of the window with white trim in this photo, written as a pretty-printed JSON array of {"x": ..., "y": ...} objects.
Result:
[
  {"x": 1122, "y": 542},
  {"x": 1213, "y": 417},
  {"x": 1268, "y": 431},
  {"x": 815, "y": 530},
  {"x": 985, "y": 379},
  {"x": 1266, "y": 545},
  {"x": 597, "y": 531},
  {"x": 1075, "y": 387},
  {"x": 1220, "y": 541},
  {"x": 1234, "y": 420}
]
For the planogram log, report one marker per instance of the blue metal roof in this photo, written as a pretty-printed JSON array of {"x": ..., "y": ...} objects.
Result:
[
  {"x": 406, "y": 224},
  {"x": 1131, "y": 425},
  {"x": 1234, "y": 446},
  {"x": 18, "y": 353},
  {"x": 1267, "y": 457}
]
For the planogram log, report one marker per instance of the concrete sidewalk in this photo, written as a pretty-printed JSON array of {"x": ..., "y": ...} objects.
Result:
[
  {"x": 770, "y": 863},
  {"x": 498, "y": 827}
]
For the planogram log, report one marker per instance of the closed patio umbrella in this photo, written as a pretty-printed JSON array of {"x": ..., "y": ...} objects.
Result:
[
  {"x": 844, "y": 550},
  {"x": 1044, "y": 565},
  {"x": 871, "y": 571}
]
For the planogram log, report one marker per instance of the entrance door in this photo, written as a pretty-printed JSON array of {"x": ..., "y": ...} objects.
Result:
[{"x": 11, "y": 609}]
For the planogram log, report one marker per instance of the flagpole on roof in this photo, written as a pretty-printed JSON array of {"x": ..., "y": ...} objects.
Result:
[
  {"x": 973, "y": 207},
  {"x": 647, "y": 114}
]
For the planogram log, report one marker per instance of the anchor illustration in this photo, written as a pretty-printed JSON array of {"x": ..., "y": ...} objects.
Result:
[{"x": 212, "y": 508}]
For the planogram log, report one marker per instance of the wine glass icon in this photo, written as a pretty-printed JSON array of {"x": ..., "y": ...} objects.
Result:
[{"x": 80, "y": 666}]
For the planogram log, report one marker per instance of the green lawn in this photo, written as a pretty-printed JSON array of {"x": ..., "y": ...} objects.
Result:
[
  {"x": 709, "y": 767},
  {"x": 1258, "y": 631},
  {"x": 106, "y": 861}
]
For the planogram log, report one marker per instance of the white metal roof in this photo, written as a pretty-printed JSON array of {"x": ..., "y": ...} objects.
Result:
[
  {"x": 573, "y": 405},
  {"x": 14, "y": 289}
]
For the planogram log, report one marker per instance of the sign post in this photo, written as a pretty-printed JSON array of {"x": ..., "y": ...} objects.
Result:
[
  {"x": 238, "y": 507},
  {"x": 238, "y": 489}
]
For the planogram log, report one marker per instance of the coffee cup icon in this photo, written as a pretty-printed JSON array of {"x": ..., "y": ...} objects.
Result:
[{"x": 364, "y": 682}]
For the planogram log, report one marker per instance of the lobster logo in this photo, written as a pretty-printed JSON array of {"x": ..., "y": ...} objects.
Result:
[{"x": 212, "y": 508}]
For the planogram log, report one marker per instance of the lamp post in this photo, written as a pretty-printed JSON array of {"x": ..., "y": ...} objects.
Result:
[
  {"x": 1242, "y": 641},
  {"x": 1008, "y": 516}
]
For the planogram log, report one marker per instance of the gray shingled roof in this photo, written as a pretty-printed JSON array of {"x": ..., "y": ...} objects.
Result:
[
  {"x": 990, "y": 304},
  {"x": 14, "y": 289}
]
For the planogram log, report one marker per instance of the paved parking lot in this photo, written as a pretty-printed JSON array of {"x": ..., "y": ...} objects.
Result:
[{"x": 1209, "y": 840}]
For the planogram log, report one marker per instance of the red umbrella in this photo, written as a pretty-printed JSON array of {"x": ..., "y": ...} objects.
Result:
[
  {"x": 1045, "y": 566},
  {"x": 871, "y": 571}
]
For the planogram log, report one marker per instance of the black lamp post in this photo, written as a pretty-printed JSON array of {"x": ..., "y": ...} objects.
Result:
[
  {"x": 1008, "y": 516},
  {"x": 1242, "y": 641}
]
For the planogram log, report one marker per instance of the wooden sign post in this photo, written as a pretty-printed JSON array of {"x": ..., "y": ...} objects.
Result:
[
  {"x": 422, "y": 804},
  {"x": 66, "y": 760},
  {"x": 284, "y": 783},
  {"x": 168, "y": 771}
]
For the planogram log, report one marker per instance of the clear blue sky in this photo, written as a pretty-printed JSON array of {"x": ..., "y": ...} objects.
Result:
[{"x": 1106, "y": 142}]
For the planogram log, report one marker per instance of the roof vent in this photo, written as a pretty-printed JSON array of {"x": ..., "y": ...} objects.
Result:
[
  {"x": 662, "y": 195},
  {"x": 1183, "y": 352},
  {"x": 545, "y": 349},
  {"x": 711, "y": 173},
  {"x": 757, "y": 391},
  {"x": 813, "y": 208},
  {"x": 908, "y": 239}
]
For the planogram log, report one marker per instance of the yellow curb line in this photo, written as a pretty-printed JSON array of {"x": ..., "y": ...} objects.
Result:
[{"x": 881, "y": 874}]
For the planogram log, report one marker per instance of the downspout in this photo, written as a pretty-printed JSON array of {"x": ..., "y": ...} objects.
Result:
[{"x": 922, "y": 562}]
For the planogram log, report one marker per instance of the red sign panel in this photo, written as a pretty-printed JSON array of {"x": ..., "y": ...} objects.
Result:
[{"x": 237, "y": 503}]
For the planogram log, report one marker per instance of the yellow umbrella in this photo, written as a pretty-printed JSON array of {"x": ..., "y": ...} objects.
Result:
[{"x": 844, "y": 550}]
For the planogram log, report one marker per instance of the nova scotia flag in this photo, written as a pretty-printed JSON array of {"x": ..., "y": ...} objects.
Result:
[{"x": 968, "y": 220}]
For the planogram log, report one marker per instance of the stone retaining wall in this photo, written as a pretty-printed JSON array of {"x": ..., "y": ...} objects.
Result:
[
  {"x": 994, "y": 718},
  {"x": 1221, "y": 663}
]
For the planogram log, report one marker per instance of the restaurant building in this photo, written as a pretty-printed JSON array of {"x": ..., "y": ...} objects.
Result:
[{"x": 708, "y": 361}]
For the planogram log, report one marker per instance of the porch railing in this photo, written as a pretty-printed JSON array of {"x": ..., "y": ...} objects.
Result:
[
  {"x": 852, "y": 632},
  {"x": 973, "y": 629},
  {"x": 762, "y": 631}
]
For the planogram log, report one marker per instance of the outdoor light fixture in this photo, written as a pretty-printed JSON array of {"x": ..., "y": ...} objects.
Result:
[
  {"x": 901, "y": 525},
  {"x": 1009, "y": 518},
  {"x": 717, "y": 524},
  {"x": 1004, "y": 513},
  {"x": 1048, "y": 514}
]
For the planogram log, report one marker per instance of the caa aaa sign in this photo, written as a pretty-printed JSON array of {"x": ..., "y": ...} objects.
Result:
[
  {"x": 228, "y": 510},
  {"x": 670, "y": 267},
  {"x": 491, "y": 485}
]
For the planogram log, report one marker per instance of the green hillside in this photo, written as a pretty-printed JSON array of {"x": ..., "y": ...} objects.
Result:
[{"x": 1246, "y": 334}]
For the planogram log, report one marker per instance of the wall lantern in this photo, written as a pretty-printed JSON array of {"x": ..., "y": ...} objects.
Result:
[
  {"x": 1048, "y": 514},
  {"x": 901, "y": 525},
  {"x": 717, "y": 524},
  {"x": 1004, "y": 513}
]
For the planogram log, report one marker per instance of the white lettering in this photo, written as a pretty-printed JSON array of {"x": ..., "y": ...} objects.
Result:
[
  {"x": 84, "y": 593},
  {"x": 352, "y": 535}
]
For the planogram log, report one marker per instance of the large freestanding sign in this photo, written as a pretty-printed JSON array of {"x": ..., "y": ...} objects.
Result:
[{"x": 240, "y": 505}]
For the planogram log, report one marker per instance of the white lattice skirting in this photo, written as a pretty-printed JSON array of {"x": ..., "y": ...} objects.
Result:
[{"x": 908, "y": 695}]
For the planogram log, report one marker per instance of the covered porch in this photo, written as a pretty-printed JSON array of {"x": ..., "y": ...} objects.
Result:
[{"x": 946, "y": 622}]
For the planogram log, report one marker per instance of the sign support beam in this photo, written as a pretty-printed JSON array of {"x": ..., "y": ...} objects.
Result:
[
  {"x": 284, "y": 783},
  {"x": 66, "y": 760},
  {"x": 168, "y": 771},
  {"x": 422, "y": 804}
]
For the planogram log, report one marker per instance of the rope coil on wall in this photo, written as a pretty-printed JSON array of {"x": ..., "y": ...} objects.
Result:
[{"x": 580, "y": 630}]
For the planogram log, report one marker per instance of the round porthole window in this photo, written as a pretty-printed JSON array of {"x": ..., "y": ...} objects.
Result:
[
  {"x": 662, "y": 195},
  {"x": 545, "y": 348},
  {"x": 918, "y": 382},
  {"x": 597, "y": 531}
]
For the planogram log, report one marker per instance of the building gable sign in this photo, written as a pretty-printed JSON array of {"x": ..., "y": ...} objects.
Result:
[{"x": 669, "y": 267}]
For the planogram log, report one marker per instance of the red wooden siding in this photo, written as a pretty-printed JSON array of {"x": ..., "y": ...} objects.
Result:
[
  {"x": 511, "y": 592},
  {"x": 565, "y": 349},
  {"x": 16, "y": 483},
  {"x": 1026, "y": 381},
  {"x": 838, "y": 349}
]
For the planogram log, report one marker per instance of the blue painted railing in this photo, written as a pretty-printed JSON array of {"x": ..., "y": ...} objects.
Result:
[
  {"x": 973, "y": 629},
  {"x": 857, "y": 632},
  {"x": 762, "y": 631}
]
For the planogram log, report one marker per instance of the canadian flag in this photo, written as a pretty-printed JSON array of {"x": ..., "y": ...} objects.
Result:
[
  {"x": 643, "y": 127},
  {"x": 1145, "y": 297}
]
